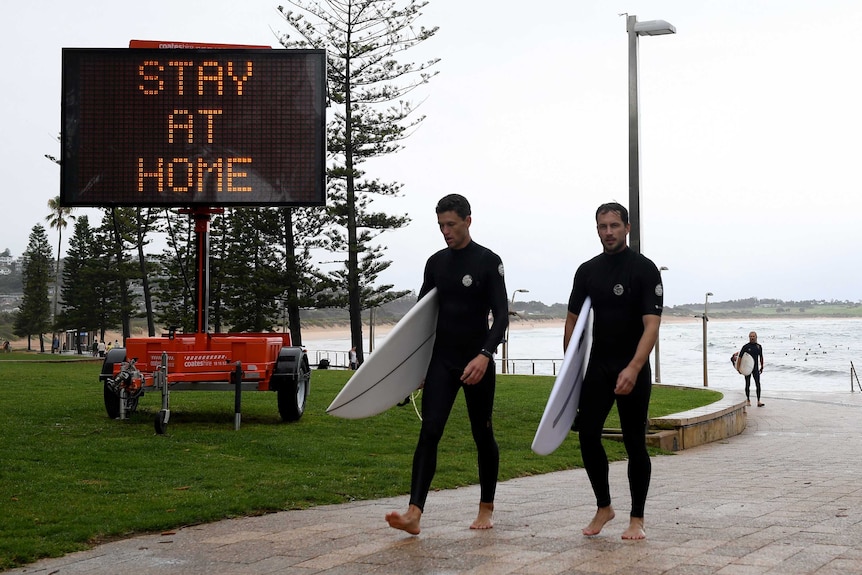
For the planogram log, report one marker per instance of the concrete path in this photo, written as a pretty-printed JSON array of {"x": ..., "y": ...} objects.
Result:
[{"x": 785, "y": 497}]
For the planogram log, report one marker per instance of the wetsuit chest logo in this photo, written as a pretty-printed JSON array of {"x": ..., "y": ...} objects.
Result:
[
  {"x": 618, "y": 289},
  {"x": 467, "y": 280}
]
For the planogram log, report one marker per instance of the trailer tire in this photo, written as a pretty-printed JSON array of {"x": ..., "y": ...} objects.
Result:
[
  {"x": 111, "y": 397},
  {"x": 112, "y": 402},
  {"x": 292, "y": 382},
  {"x": 161, "y": 422}
]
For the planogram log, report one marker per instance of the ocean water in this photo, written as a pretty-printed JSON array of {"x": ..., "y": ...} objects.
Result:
[{"x": 801, "y": 356}]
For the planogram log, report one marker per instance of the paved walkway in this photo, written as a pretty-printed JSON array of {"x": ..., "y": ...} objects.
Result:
[{"x": 785, "y": 497}]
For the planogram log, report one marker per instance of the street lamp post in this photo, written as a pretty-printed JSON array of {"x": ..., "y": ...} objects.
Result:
[
  {"x": 635, "y": 29},
  {"x": 506, "y": 339},
  {"x": 705, "y": 319},
  {"x": 658, "y": 338}
]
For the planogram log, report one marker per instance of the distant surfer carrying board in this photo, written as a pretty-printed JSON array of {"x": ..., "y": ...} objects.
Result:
[
  {"x": 626, "y": 292},
  {"x": 470, "y": 284},
  {"x": 753, "y": 349}
]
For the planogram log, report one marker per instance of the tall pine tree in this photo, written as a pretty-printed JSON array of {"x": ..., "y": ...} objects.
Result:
[
  {"x": 34, "y": 315},
  {"x": 367, "y": 86},
  {"x": 80, "y": 296}
]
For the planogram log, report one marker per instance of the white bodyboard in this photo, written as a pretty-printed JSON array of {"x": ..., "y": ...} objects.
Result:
[
  {"x": 395, "y": 369},
  {"x": 562, "y": 406}
]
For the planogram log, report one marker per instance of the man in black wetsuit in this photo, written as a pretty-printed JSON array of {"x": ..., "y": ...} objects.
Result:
[
  {"x": 470, "y": 284},
  {"x": 626, "y": 293},
  {"x": 753, "y": 349}
]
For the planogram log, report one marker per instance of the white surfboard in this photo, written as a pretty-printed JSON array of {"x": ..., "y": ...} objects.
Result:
[
  {"x": 562, "y": 404},
  {"x": 395, "y": 369},
  {"x": 745, "y": 364}
]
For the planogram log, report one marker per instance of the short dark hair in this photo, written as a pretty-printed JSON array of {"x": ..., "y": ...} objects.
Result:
[
  {"x": 454, "y": 203},
  {"x": 614, "y": 207}
]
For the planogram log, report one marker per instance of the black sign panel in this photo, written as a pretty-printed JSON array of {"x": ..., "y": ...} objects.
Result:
[{"x": 177, "y": 127}]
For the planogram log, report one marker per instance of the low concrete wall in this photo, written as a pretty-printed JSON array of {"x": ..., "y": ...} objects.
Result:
[{"x": 714, "y": 422}]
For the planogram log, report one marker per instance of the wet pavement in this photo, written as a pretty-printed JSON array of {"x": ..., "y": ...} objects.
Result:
[{"x": 784, "y": 497}]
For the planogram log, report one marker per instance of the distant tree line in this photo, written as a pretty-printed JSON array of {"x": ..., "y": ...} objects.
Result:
[{"x": 747, "y": 306}]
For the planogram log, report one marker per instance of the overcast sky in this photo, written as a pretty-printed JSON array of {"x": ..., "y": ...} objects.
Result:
[{"x": 750, "y": 132}]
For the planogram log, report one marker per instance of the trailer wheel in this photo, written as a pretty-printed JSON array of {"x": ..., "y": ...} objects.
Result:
[
  {"x": 292, "y": 379},
  {"x": 112, "y": 402},
  {"x": 161, "y": 422},
  {"x": 111, "y": 397}
]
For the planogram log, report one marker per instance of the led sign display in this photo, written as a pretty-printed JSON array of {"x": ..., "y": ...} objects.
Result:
[{"x": 181, "y": 127}]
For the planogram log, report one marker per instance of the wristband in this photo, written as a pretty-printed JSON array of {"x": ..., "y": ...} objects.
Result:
[{"x": 487, "y": 354}]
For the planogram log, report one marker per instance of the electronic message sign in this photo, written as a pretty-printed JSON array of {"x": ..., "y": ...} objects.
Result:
[{"x": 185, "y": 127}]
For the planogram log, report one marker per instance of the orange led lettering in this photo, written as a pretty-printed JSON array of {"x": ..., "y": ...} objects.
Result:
[
  {"x": 152, "y": 75},
  {"x": 182, "y": 175},
  {"x": 188, "y": 173},
  {"x": 180, "y": 66},
  {"x": 205, "y": 171},
  {"x": 213, "y": 75},
  {"x": 209, "y": 114},
  {"x": 239, "y": 80},
  {"x": 189, "y": 126},
  {"x": 149, "y": 72},
  {"x": 158, "y": 175},
  {"x": 231, "y": 175}
]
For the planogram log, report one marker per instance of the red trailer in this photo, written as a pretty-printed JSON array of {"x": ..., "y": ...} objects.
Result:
[{"x": 205, "y": 361}]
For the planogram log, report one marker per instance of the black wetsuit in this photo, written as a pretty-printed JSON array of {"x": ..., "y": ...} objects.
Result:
[
  {"x": 755, "y": 351},
  {"x": 469, "y": 284},
  {"x": 623, "y": 288}
]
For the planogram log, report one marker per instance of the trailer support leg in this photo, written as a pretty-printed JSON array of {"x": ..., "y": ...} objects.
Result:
[
  {"x": 163, "y": 416},
  {"x": 123, "y": 396},
  {"x": 236, "y": 379}
]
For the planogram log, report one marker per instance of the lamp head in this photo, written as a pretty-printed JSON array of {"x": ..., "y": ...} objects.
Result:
[{"x": 654, "y": 28}]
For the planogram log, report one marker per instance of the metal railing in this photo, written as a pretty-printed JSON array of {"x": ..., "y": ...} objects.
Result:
[
  {"x": 523, "y": 366},
  {"x": 530, "y": 366},
  {"x": 333, "y": 359},
  {"x": 854, "y": 376}
]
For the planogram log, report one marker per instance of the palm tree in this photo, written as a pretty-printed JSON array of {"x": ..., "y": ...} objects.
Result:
[{"x": 58, "y": 218}]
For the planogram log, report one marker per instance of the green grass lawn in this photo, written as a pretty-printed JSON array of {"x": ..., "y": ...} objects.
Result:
[{"x": 70, "y": 477}]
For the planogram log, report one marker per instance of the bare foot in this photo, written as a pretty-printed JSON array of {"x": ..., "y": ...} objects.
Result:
[
  {"x": 408, "y": 522},
  {"x": 603, "y": 515},
  {"x": 635, "y": 530},
  {"x": 483, "y": 520}
]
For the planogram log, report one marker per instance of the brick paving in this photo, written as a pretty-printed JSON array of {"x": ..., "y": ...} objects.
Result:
[{"x": 784, "y": 497}]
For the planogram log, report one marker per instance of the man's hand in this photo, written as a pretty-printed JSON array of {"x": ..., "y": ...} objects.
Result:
[
  {"x": 475, "y": 370},
  {"x": 626, "y": 381}
]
